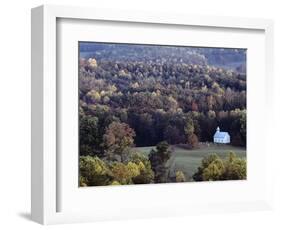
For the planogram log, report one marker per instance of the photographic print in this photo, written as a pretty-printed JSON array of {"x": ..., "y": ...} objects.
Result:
[{"x": 153, "y": 114}]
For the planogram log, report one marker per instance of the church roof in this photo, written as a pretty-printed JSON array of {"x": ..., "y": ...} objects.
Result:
[{"x": 220, "y": 134}]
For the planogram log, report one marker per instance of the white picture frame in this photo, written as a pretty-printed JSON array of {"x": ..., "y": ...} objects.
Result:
[{"x": 45, "y": 206}]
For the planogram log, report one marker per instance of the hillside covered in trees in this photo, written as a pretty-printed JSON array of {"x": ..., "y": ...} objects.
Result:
[{"x": 135, "y": 96}]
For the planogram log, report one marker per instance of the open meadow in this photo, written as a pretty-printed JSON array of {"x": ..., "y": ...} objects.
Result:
[{"x": 188, "y": 160}]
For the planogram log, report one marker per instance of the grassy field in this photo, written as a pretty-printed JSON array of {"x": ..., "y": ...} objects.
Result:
[{"x": 188, "y": 160}]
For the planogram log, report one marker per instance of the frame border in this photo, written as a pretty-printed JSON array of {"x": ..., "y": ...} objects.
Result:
[{"x": 44, "y": 90}]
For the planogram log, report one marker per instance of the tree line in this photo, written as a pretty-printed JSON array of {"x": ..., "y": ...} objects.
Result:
[{"x": 131, "y": 167}]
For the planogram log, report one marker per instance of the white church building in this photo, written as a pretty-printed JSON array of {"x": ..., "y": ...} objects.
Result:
[{"x": 221, "y": 137}]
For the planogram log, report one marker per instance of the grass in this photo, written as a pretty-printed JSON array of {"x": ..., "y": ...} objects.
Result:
[{"x": 188, "y": 160}]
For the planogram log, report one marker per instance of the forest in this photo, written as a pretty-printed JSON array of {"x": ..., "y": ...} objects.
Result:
[{"x": 134, "y": 96}]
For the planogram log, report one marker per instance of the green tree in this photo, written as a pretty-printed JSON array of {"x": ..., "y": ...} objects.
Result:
[
  {"x": 214, "y": 171},
  {"x": 180, "y": 177},
  {"x": 93, "y": 96},
  {"x": 131, "y": 173},
  {"x": 189, "y": 126},
  {"x": 82, "y": 181},
  {"x": 243, "y": 127},
  {"x": 235, "y": 168},
  {"x": 122, "y": 173},
  {"x": 206, "y": 161},
  {"x": 172, "y": 135},
  {"x": 146, "y": 175},
  {"x": 94, "y": 171},
  {"x": 89, "y": 137},
  {"x": 192, "y": 139},
  {"x": 158, "y": 159},
  {"x": 214, "y": 168}
]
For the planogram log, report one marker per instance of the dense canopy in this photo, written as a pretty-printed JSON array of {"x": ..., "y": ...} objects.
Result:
[{"x": 141, "y": 95}]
